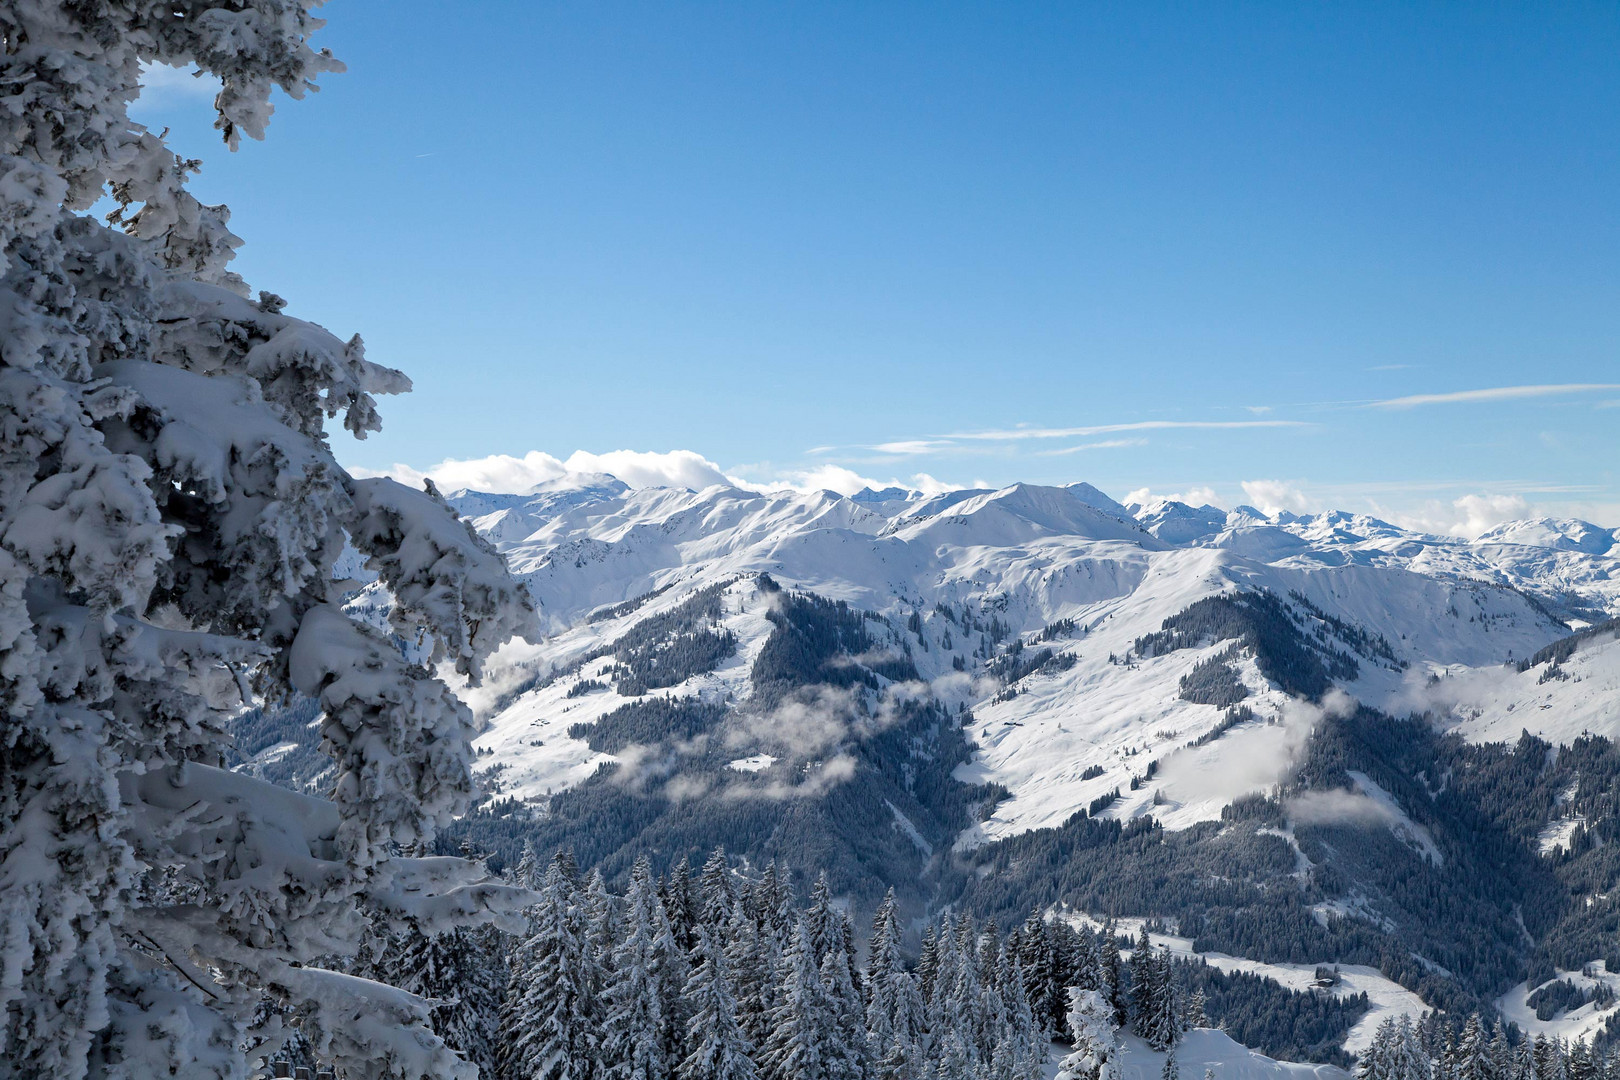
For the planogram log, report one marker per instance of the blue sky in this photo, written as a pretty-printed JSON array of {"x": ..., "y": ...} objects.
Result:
[{"x": 1175, "y": 247}]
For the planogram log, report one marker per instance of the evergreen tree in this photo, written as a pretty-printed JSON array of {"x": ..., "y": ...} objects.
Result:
[
  {"x": 601, "y": 939},
  {"x": 681, "y": 905},
  {"x": 1161, "y": 1027},
  {"x": 546, "y": 1030},
  {"x": 753, "y": 957},
  {"x": 1111, "y": 975},
  {"x": 1081, "y": 968},
  {"x": 1093, "y": 1032},
  {"x": 1195, "y": 1015},
  {"x": 829, "y": 926},
  {"x": 1376, "y": 1062},
  {"x": 718, "y": 892},
  {"x": 1026, "y": 1059},
  {"x": 1153, "y": 994},
  {"x": 1408, "y": 1059},
  {"x": 1171, "y": 1070},
  {"x": 804, "y": 1025},
  {"x": 1046, "y": 983},
  {"x": 928, "y": 963},
  {"x": 637, "y": 1022},
  {"x": 772, "y": 906},
  {"x": 1470, "y": 1060},
  {"x": 1578, "y": 1063},
  {"x": 463, "y": 972},
  {"x": 171, "y": 513},
  {"x": 894, "y": 1013},
  {"x": 1545, "y": 1059},
  {"x": 847, "y": 1050},
  {"x": 1144, "y": 983},
  {"x": 564, "y": 858},
  {"x": 953, "y": 1058},
  {"x": 1524, "y": 1061},
  {"x": 1499, "y": 1057},
  {"x": 717, "y": 1047},
  {"x": 527, "y": 873}
]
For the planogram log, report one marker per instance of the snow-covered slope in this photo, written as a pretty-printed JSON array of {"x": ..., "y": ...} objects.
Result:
[
  {"x": 1582, "y": 1022},
  {"x": 1385, "y": 998},
  {"x": 1067, "y": 563},
  {"x": 1208, "y": 1052},
  {"x": 1557, "y": 698}
]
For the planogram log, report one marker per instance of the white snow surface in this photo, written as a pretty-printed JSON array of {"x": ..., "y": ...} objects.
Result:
[
  {"x": 1211, "y": 1050},
  {"x": 1028, "y": 556},
  {"x": 1581, "y": 1023},
  {"x": 1497, "y": 703},
  {"x": 1385, "y": 997}
]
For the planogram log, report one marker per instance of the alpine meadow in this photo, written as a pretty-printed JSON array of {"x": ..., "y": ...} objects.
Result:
[{"x": 1189, "y": 647}]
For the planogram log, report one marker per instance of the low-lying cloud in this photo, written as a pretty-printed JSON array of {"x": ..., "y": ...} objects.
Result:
[
  {"x": 1251, "y": 759},
  {"x": 1198, "y": 496},
  {"x": 1467, "y": 516},
  {"x": 1338, "y": 807},
  {"x": 1275, "y": 496}
]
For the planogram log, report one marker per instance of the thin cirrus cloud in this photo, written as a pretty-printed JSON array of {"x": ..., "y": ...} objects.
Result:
[
  {"x": 1105, "y": 444},
  {"x": 1493, "y": 393},
  {"x": 906, "y": 446},
  {"x": 1011, "y": 434}
]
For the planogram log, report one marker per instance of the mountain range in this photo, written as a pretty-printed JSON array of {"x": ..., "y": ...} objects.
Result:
[{"x": 1284, "y": 740}]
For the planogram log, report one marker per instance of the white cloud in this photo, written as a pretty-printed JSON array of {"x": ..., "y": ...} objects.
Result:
[
  {"x": 162, "y": 84},
  {"x": 1255, "y": 757},
  {"x": 505, "y": 473},
  {"x": 845, "y": 481},
  {"x": 677, "y": 468},
  {"x": 1274, "y": 496},
  {"x": 1495, "y": 393},
  {"x": 1198, "y": 496},
  {"x": 1105, "y": 444},
  {"x": 1009, "y": 434},
  {"x": 1482, "y": 512},
  {"x": 1467, "y": 516},
  {"x": 1339, "y": 807}
]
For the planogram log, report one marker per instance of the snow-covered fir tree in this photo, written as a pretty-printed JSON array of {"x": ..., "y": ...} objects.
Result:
[
  {"x": 170, "y": 515},
  {"x": 1110, "y": 974},
  {"x": 717, "y": 891},
  {"x": 547, "y": 1030},
  {"x": 717, "y": 1047},
  {"x": 804, "y": 1026},
  {"x": 754, "y": 953},
  {"x": 1093, "y": 1035},
  {"x": 894, "y": 1011},
  {"x": 639, "y": 1018},
  {"x": 1195, "y": 1013},
  {"x": 1153, "y": 997}
]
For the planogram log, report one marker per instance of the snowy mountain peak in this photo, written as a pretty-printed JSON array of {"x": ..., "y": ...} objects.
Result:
[{"x": 1560, "y": 534}]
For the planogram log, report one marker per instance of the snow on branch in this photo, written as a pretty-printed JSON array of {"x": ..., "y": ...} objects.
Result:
[{"x": 446, "y": 580}]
